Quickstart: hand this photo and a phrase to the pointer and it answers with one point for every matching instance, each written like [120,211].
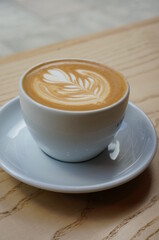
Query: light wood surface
[128,212]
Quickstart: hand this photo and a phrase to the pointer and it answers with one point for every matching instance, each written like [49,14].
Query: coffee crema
[74,85]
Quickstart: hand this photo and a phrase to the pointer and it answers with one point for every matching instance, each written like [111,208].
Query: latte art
[74,85]
[78,87]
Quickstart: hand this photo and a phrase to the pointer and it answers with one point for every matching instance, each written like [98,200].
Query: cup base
[72,161]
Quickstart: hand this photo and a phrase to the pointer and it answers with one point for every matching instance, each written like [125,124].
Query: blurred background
[28,24]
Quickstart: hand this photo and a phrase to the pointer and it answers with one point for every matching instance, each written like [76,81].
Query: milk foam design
[77,87]
[74,85]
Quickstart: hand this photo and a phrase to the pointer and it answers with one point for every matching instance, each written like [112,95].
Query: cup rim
[83,112]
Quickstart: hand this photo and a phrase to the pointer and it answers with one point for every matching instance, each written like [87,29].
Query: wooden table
[127,212]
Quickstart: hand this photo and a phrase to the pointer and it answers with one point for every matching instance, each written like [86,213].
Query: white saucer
[130,153]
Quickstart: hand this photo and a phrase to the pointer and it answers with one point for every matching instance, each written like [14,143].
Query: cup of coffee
[73,108]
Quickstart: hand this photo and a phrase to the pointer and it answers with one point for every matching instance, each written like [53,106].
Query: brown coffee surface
[75,85]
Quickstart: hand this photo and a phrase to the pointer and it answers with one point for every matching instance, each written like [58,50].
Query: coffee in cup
[74,85]
[73,108]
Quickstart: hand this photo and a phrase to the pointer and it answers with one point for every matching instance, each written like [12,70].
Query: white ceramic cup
[71,136]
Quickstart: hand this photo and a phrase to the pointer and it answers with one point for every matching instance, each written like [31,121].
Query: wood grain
[131,210]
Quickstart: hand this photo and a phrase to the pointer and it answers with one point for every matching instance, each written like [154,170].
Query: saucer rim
[84,189]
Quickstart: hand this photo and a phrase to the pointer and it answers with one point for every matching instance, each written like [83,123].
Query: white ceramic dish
[131,152]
